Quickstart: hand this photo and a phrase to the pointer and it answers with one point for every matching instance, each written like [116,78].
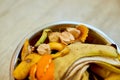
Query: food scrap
[65,55]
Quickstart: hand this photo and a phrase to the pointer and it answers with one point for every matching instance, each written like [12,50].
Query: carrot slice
[84,32]
[45,68]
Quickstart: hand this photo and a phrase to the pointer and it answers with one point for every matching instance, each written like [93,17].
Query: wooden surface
[19,17]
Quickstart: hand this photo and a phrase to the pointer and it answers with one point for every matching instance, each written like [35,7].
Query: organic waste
[65,55]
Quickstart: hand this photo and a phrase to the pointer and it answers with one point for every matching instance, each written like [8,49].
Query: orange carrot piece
[84,32]
[45,68]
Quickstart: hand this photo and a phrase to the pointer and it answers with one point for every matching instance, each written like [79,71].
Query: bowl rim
[29,35]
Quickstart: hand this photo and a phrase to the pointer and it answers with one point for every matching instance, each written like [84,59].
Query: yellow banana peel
[113,76]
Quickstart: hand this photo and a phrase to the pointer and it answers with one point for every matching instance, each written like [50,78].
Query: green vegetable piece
[43,37]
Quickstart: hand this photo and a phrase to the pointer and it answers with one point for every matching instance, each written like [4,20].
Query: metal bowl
[95,36]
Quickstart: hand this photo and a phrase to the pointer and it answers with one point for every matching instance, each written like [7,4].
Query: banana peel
[81,74]
[106,74]
[107,63]
[109,67]
[101,66]
[85,76]
[63,52]
[84,50]
[101,71]
[102,62]
[25,51]
[56,46]
[22,70]
[69,68]
[113,76]
[91,52]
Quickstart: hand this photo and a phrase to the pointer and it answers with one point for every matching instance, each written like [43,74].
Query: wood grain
[19,17]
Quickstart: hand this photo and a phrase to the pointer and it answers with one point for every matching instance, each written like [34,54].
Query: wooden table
[19,17]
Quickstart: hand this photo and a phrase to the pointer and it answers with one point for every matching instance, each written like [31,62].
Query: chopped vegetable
[43,37]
